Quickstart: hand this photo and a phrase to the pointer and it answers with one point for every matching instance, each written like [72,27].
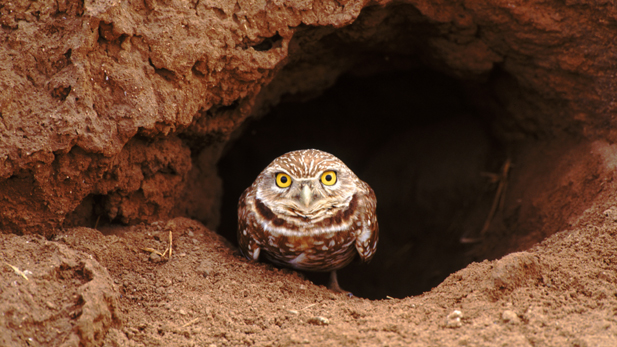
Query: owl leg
[333,286]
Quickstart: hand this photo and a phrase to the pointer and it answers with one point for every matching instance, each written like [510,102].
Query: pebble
[516,270]
[509,316]
[204,269]
[535,316]
[155,257]
[453,320]
[611,213]
[319,320]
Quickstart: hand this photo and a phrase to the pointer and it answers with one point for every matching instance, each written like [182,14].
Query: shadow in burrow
[418,140]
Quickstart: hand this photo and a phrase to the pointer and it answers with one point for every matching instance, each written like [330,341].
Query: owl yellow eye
[328,178]
[283,180]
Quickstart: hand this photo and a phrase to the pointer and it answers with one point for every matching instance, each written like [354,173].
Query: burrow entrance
[433,158]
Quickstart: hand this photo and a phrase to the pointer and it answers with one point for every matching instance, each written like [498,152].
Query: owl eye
[283,180]
[328,178]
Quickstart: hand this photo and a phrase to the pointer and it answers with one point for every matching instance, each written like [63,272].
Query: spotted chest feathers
[318,219]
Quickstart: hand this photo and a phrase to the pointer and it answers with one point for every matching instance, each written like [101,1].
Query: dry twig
[190,323]
[500,194]
[167,251]
[17,271]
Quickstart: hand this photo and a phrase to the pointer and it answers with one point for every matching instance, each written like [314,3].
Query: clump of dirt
[54,295]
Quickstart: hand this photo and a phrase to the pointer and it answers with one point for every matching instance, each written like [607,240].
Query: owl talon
[334,286]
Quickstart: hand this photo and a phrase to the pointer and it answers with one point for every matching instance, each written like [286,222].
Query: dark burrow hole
[419,142]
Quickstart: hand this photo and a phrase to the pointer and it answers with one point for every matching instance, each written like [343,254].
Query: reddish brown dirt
[87,287]
[117,112]
[53,294]
[559,293]
[92,90]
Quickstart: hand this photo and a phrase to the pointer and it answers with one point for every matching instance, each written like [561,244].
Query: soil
[115,115]
[560,292]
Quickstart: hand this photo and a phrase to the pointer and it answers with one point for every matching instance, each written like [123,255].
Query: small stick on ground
[168,250]
[190,323]
[152,250]
[170,244]
[17,271]
[499,199]
[311,305]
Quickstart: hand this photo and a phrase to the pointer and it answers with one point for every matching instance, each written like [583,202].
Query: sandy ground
[86,287]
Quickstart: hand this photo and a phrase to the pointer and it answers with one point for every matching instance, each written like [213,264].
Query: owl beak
[306,196]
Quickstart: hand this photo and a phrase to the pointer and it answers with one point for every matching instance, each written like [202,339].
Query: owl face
[306,184]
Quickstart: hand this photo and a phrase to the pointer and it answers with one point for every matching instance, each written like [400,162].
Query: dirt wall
[85,84]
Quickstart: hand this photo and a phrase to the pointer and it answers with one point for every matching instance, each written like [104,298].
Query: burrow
[451,190]
[466,165]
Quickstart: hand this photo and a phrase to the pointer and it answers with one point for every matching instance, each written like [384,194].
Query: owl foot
[333,286]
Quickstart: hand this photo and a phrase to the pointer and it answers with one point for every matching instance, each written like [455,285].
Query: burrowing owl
[308,211]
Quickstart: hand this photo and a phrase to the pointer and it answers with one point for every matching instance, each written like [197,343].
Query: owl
[307,210]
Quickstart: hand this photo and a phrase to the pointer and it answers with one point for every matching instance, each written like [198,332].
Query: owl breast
[323,239]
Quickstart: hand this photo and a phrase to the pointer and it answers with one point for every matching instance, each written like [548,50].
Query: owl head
[306,183]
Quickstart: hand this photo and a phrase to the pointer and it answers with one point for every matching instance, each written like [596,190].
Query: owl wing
[368,235]
[247,225]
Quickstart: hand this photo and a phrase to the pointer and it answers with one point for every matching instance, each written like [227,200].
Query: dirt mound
[562,292]
[53,295]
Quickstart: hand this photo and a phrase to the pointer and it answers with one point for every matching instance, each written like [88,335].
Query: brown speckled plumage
[308,225]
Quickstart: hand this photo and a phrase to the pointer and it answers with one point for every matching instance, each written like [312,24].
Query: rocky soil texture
[486,129]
